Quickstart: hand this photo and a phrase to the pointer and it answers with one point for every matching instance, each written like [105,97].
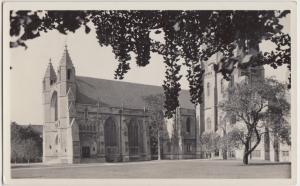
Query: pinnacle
[66,59]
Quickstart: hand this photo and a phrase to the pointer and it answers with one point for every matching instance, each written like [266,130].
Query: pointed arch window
[53,107]
[85,114]
[44,85]
[56,140]
[188,125]
[58,73]
[51,81]
[69,73]
[133,137]
[110,133]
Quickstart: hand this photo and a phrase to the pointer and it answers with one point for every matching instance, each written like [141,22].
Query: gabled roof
[115,93]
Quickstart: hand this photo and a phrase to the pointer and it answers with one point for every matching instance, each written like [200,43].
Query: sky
[89,59]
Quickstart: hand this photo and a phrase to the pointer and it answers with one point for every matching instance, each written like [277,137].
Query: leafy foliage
[26,144]
[210,142]
[257,105]
[190,35]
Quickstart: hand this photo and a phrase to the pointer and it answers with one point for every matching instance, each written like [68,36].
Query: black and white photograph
[165,91]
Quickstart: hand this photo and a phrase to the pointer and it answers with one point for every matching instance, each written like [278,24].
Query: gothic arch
[110,138]
[54,107]
[188,125]
[133,137]
[56,139]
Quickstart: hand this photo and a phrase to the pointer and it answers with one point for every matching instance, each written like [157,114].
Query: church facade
[97,120]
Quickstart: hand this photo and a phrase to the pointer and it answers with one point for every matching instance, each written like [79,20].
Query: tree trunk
[248,148]
[276,148]
[246,154]
[158,146]
[224,154]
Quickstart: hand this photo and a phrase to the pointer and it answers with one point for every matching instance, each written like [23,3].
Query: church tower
[49,81]
[61,135]
[66,74]
[50,103]
[67,88]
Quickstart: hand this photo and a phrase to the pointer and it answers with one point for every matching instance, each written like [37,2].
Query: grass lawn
[158,169]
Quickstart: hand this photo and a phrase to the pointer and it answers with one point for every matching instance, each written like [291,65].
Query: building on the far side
[212,119]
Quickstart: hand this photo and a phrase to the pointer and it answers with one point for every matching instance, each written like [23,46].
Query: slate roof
[114,93]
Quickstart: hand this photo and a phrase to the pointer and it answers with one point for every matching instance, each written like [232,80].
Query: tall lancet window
[53,107]
[110,133]
[69,72]
[85,114]
[188,125]
[44,85]
[58,73]
[133,137]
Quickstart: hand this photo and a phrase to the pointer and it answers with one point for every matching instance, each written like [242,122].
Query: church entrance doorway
[110,138]
[86,152]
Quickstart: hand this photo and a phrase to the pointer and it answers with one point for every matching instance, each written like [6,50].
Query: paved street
[158,169]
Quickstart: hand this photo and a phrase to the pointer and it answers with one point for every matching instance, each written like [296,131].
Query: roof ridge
[160,86]
[115,93]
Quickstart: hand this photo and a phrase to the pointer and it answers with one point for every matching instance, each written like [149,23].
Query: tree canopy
[260,107]
[190,35]
[26,144]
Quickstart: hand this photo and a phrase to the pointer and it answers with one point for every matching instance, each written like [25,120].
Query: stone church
[97,120]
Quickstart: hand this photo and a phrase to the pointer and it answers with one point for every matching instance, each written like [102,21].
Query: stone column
[101,143]
[126,144]
[146,139]
[124,139]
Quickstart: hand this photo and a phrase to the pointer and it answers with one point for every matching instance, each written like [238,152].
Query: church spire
[50,72]
[66,59]
[49,77]
[66,73]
